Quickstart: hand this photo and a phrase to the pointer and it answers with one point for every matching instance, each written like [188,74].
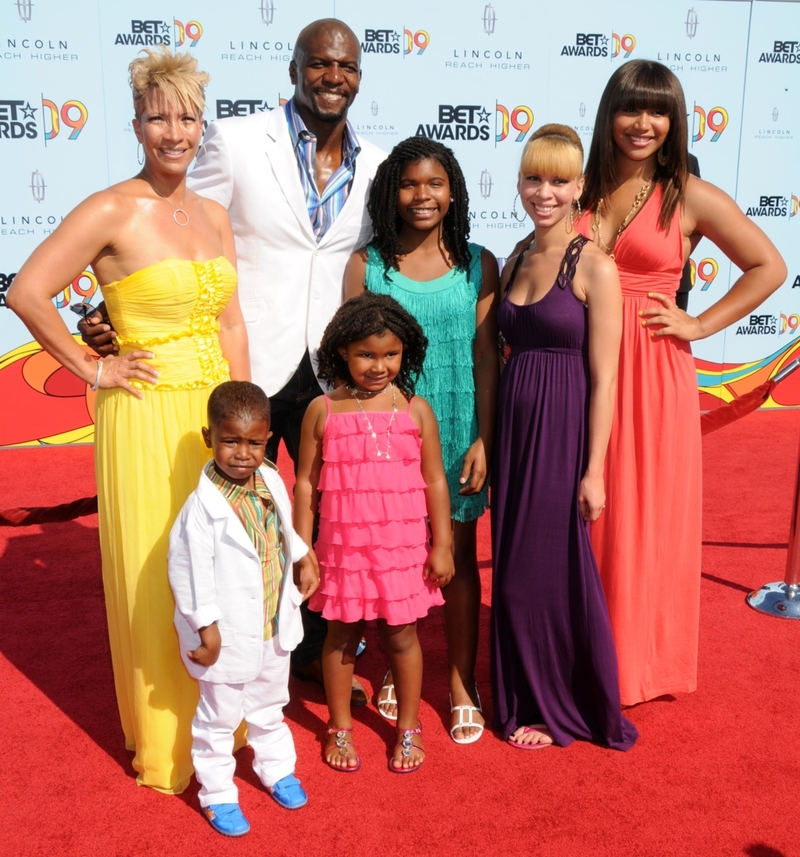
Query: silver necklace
[177,211]
[370,428]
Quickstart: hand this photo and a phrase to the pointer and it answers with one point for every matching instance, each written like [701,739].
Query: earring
[514,211]
[568,221]
[140,154]
[662,157]
[578,204]
[197,159]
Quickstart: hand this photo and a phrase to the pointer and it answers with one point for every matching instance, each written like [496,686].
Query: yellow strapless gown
[148,457]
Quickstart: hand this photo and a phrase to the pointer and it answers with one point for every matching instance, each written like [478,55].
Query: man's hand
[97,333]
[207,653]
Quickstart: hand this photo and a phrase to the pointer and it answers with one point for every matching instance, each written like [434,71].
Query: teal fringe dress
[445,309]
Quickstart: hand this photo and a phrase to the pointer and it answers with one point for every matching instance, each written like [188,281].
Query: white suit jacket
[216,576]
[289,285]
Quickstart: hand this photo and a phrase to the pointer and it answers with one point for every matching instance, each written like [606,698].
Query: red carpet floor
[714,773]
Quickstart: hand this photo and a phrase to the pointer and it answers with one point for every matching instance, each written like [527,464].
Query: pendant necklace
[370,428]
[183,220]
[637,204]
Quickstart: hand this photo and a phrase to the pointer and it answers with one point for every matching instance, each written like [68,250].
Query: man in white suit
[295,182]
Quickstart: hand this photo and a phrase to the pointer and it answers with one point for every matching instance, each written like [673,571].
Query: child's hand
[306,575]
[474,469]
[207,653]
[439,568]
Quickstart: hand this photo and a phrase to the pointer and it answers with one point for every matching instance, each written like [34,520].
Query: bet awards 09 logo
[155,32]
[458,122]
[783,53]
[774,206]
[18,119]
[381,42]
[600,45]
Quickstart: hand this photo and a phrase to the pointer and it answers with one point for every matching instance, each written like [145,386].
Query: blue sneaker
[288,793]
[227,819]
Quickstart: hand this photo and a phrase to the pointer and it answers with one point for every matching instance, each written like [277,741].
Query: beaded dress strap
[570,261]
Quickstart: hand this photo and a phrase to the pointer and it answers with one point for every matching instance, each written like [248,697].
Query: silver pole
[783,598]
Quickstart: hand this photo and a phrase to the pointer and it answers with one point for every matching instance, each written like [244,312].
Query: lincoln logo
[485,184]
[489,19]
[775,114]
[374,108]
[691,23]
[24,10]
[267,11]
[582,109]
[37,186]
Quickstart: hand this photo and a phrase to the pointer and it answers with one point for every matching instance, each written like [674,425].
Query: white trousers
[222,708]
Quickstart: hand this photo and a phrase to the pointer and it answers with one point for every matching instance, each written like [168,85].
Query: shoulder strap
[519,262]
[570,261]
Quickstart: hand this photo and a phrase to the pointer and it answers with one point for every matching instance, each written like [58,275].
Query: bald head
[331,30]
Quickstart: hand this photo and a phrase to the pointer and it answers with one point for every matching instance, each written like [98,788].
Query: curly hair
[382,203]
[236,400]
[370,314]
[176,75]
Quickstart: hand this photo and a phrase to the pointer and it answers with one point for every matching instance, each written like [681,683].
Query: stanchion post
[783,599]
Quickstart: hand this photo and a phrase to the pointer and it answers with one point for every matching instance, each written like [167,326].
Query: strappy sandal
[539,745]
[342,744]
[390,699]
[465,718]
[406,741]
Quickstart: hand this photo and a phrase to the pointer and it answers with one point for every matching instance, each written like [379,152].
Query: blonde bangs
[553,150]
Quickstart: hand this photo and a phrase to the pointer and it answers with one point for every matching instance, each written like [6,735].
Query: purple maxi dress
[553,656]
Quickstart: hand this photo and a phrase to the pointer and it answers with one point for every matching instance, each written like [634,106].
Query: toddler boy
[237,611]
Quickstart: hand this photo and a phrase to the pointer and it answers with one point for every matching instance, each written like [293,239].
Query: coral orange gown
[648,540]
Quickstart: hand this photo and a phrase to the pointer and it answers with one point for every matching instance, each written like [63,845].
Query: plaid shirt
[322,209]
[259,516]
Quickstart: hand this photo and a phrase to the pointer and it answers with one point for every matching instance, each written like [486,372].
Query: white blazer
[289,285]
[216,576]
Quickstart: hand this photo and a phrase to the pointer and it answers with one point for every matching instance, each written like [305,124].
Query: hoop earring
[662,157]
[140,153]
[568,226]
[198,162]
[514,210]
[578,205]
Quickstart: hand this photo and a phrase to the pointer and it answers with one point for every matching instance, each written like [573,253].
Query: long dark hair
[382,203]
[640,85]
[371,314]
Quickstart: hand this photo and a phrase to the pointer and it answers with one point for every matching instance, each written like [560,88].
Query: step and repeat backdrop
[478,76]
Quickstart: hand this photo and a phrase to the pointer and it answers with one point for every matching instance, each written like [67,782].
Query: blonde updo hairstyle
[176,75]
[553,150]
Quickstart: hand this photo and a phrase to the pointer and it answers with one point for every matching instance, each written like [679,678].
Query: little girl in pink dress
[371,465]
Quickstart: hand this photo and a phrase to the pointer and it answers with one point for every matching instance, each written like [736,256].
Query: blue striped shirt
[322,209]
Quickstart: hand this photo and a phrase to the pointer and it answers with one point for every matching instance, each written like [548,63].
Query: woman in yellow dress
[165,261]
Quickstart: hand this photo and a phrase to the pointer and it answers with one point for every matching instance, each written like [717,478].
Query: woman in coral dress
[164,258]
[646,211]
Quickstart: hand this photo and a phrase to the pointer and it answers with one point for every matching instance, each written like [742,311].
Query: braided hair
[365,315]
[382,203]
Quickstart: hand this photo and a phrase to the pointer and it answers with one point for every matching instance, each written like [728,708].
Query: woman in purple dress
[553,659]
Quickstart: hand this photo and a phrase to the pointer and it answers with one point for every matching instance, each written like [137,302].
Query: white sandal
[390,699]
[465,718]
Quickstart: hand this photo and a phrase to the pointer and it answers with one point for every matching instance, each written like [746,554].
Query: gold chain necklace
[637,204]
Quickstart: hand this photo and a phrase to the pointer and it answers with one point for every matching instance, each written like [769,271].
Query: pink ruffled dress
[373,530]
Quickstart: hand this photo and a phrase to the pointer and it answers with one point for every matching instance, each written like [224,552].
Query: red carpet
[714,773]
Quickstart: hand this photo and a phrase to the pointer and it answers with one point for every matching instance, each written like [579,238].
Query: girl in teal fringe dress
[420,256]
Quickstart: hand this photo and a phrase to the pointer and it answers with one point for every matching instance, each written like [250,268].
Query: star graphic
[395,36]
[164,28]
[603,40]
[483,115]
[28,111]
[264,107]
